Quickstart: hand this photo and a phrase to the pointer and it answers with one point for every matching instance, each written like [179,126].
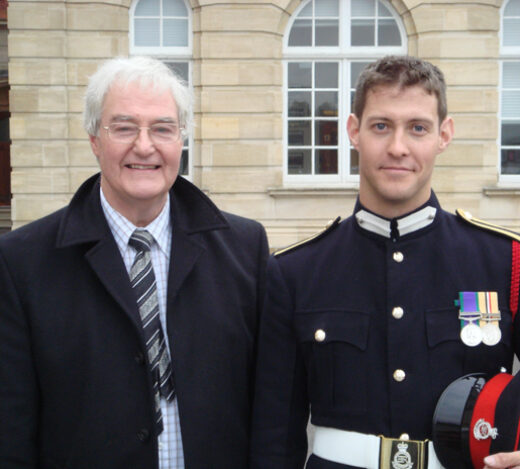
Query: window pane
[301,33]
[512,32]
[511,104]
[326,133]
[388,33]
[510,161]
[300,133]
[354,161]
[306,12]
[327,103]
[355,70]
[363,8]
[326,8]
[175,33]
[147,8]
[299,162]
[511,134]
[383,11]
[327,32]
[512,8]
[327,75]
[184,169]
[300,75]
[362,33]
[174,8]
[146,32]
[511,75]
[326,162]
[181,69]
[300,103]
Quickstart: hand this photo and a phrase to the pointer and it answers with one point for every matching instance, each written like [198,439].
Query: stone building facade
[262,147]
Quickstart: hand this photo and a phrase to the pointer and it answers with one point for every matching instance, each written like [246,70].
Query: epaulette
[328,228]
[466,216]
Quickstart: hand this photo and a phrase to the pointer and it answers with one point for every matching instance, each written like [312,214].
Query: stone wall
[238,83]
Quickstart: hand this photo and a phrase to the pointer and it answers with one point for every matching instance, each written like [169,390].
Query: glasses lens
[123,132]
[164,132]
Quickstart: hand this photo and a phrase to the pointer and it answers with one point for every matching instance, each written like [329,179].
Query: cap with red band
[475,417]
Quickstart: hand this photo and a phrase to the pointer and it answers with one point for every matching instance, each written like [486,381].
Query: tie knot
[141,240]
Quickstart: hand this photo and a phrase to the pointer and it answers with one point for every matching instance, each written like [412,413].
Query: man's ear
[446,132]
[94,144]
[353,130]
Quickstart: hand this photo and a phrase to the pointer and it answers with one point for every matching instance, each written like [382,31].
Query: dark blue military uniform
[361,325]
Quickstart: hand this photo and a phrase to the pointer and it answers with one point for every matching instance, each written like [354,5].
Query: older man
[128,319]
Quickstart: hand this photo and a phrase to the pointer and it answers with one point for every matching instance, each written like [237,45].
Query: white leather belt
[371,451]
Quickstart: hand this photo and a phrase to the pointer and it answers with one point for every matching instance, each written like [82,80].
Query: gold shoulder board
[466,216]
[329,227]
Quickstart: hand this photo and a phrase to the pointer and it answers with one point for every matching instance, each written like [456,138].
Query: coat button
[397,312]
[404,437]
[320,335]
[398,256]
[399,375]
[143,435]
[139,358]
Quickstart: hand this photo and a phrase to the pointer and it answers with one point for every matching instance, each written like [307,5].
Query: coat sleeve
[281,409]
[18,384]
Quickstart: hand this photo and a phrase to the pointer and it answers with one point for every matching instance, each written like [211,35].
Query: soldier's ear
[353,124]
[446,132]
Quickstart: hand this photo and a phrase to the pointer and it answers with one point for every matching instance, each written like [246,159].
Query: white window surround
[344,55]
[169,55]
[509,54]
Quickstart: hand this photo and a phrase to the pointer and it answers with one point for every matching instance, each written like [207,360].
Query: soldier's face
[398,138]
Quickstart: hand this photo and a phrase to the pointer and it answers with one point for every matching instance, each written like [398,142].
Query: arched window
[327,44]
[162,28]
[510,92]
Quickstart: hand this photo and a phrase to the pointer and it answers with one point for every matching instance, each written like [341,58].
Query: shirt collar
[122,228]
[397,227]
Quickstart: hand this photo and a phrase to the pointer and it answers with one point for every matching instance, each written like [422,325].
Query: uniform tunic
[360,325]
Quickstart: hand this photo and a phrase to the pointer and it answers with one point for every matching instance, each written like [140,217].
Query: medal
[479,316]
[471,335]
[491,334]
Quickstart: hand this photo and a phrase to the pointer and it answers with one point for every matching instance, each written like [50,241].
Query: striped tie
[142,280]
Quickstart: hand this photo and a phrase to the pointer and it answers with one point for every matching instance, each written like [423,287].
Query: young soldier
[360,323]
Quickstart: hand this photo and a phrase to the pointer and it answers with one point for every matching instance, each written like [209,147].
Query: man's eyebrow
[126,118]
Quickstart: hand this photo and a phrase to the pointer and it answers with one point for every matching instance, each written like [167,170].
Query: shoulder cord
[515,278]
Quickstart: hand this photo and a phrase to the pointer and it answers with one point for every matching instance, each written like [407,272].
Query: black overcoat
[75,390]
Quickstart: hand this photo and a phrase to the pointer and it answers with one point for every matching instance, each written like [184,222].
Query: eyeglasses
[124,132]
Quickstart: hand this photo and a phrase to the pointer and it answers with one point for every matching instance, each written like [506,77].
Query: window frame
[344,55]
[170,55]
[507,54]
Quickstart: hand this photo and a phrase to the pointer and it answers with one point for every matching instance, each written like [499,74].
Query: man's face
[136,177]
[398,138]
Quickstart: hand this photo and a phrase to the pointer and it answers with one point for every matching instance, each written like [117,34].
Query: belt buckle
[402,453]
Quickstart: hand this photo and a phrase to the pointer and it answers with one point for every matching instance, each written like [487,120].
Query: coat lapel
[84,224]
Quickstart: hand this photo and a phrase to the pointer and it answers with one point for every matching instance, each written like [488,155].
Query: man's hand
[503,461]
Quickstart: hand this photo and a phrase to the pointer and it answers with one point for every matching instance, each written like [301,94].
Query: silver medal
[471,335]
[491,334]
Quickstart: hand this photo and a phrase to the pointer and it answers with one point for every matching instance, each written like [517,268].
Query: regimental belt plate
[402,454]
[479,317]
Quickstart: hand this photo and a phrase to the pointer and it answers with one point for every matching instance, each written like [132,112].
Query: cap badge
[402,459]
[483,430]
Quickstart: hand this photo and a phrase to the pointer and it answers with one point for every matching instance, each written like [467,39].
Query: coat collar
[395,228]
[84,222]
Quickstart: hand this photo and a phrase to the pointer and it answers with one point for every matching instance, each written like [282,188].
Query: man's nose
[398,145]
[143,143]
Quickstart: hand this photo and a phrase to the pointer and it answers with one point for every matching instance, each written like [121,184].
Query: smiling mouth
[142,166]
